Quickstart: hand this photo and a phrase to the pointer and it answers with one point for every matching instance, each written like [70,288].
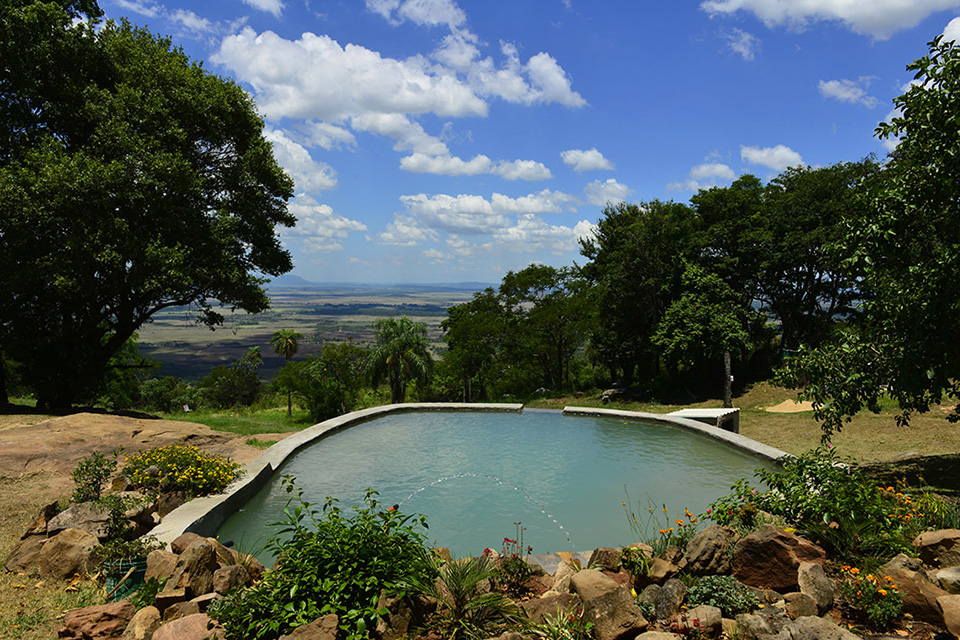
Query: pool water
[474,475]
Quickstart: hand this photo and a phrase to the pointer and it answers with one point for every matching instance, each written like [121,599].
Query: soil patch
[790,406]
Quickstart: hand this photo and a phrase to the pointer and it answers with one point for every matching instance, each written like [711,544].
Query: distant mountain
[290,281]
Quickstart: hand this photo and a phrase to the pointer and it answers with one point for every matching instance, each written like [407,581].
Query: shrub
[328,562]
[725,593]
[180,468]
[565,625]
[676,532]
[91,473]
[514,570]
[877,601]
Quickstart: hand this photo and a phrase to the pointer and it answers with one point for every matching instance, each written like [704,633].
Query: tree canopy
[401,354]
[131,180]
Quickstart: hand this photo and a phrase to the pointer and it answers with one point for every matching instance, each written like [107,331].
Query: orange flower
[882,592]
[854,570]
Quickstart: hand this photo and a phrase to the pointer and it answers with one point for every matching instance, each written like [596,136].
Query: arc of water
[500,481]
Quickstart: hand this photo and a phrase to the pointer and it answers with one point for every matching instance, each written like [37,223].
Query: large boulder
[562,577]
[42,521]
[771,557]
[66,554]
[24,553]
[184,540]
[87,516]
[100,621]
[143,624]
[939,548]
[195,568]
[193,627]
[950,609]
[669,598]
[402,614]
[814,628]
[815,583]
[799,605]
[537,608]
[230,577]
[762,624]
[605,558]
[708,552]
[949,579]
[324,628]
[615,616]
[589,584]
[160,564]
[919,595]
[707,618]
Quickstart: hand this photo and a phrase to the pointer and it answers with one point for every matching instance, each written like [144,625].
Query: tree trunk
[727,381]
[289,403]
[4,398]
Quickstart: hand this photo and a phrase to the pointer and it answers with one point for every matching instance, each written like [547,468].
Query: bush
[877,601]
[168,394]
[328,562]
[725,593]
[90,474]
[179,468]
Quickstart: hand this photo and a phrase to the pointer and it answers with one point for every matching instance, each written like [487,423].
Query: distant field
[322,313]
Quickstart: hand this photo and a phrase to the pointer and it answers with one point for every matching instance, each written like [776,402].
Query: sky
[452,141]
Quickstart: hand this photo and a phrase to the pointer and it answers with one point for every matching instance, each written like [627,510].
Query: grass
[247,422]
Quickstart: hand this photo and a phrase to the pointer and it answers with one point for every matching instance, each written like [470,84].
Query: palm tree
[401,354]
[286,342]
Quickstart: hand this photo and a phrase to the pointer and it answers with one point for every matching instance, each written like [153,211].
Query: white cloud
[409,135]
[423,12]
[777,158]
[405,231]
[550,82]
[269,6]
[522,170]
[740,42]
[473,214]
[192,21]
[329,136]
[307,173]
[446,165]
[952,30]
[704,176]
[143,7]
[318,225]
[852,91]
[600,193]
[435,255]
[589,160]
[877,18]
[531,233]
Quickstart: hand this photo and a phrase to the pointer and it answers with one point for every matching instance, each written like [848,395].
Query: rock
[195,567]
[561,578]
[253,566]
[673,555]
[901,561]
[766,622]
[669,599]
[815,583]
[204,601]
[589,584]
[605,558]
[42,521]
[660,571]
[614,614]
[656,635]
[402,615]
[169,501]
[650,594]
[143,624]
[24,553]
[121,483]
[919,595]
[225,555]
[770,557]
[194,627]
[939,548]
[729,627]
[949,579]
[537,608]
[444,554]
[226,578]
[814,628]
[324,628]
[100,621]
[180,610]
[160,564]
[184,540]
[950,609]
[169,597]
[708,617]
[87,516]
[708,552]
[799,605]
[66,554]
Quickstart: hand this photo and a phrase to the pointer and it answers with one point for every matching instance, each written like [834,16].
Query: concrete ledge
[734,439]
[204,516]
[726,419]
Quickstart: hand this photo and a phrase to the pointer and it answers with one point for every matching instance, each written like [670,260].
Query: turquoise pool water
[476,474]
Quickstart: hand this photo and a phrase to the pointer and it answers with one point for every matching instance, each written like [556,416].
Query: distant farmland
[321,312]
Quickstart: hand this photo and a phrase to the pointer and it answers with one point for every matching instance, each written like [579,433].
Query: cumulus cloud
[531,233]
[269,6]
[586,160]
[952,30]
[407,134]
[600,193]
[522,170]
[307,173]
[745,44]
[318,226]
[777,158]
[143,7]
[404,231]
[446,165]
[474,214]
[326,135]
[191,21]
[877,18]
[429,13]
[852,91]
[704,176]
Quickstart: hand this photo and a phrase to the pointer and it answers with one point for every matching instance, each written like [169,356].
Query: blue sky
[453,140]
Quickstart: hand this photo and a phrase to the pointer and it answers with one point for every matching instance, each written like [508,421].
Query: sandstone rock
[814,628]
[444,554]
[673,555]
[42,521]
[901,561]
[24,553]
[195,567]
[815,583]
[562,576]
[949,579]
[121,483]
[799,605]
[225,555]
[670,598]
[143,624]
[226,578]
[169,501]
[656,635]
[660,571]
[324,628]
[614,614]
[589,584]
[754,626]
[169,597]
[537,608]
[160,564]
[919,595]
[650,594]
[939,548]
[180,610]
[729,627]
[950,609]
[708,552]
[770,557]
[402,614]
[87,516]
[100,621]
[708,617]
[66,554]
[204,601]
[183,541]
[253,566]
[605,558]
[192,627]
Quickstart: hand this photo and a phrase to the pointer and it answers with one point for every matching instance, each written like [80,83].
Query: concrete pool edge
[734,439]
[204,516]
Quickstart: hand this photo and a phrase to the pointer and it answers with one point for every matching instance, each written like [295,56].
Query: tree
[401,354]
[904,252]
[236,385]
[131,181]
[286,343]
[475,332]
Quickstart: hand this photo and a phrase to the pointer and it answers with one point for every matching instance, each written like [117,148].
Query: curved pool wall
[204,516]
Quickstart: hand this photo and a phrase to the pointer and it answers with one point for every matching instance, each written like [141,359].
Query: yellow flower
[882,592]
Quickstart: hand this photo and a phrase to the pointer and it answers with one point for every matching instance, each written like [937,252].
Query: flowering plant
[515,571]
[181,468]
[565,625]
[875,600]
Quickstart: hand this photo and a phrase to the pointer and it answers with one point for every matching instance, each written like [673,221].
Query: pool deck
[205,515]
